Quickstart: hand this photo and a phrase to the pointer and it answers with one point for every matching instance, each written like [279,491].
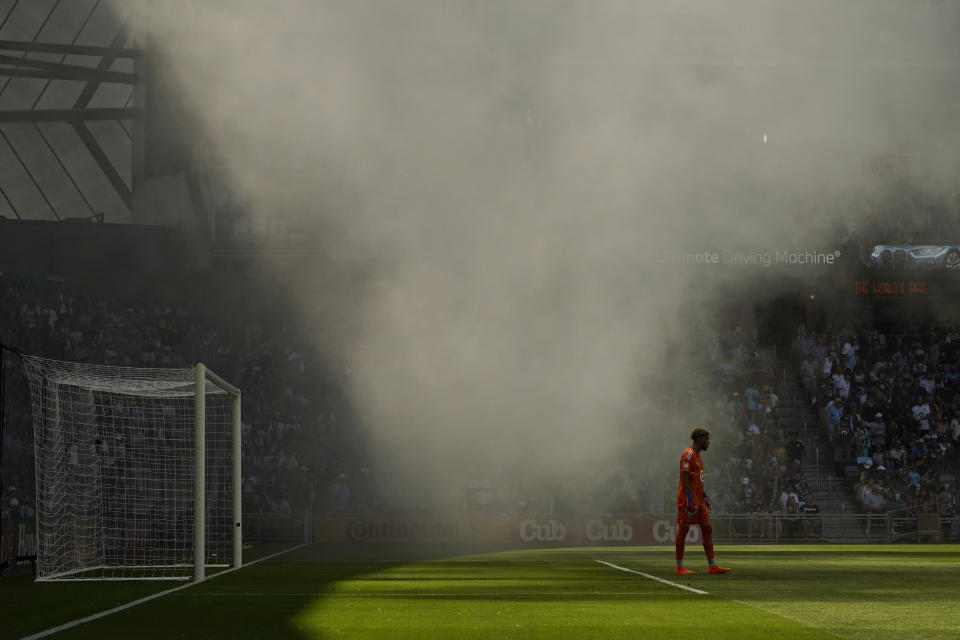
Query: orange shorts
[701,516]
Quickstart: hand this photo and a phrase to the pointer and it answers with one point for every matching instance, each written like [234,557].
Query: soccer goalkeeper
[693,503]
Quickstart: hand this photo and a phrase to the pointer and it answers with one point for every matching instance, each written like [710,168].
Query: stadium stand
[891,408]
[887,404]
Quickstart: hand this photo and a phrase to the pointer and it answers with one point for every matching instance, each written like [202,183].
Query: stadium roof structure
[70,92]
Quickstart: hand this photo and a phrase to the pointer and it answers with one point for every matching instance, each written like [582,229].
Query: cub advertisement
[626,530]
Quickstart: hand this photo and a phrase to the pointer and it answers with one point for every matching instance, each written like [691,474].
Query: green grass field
[807,591]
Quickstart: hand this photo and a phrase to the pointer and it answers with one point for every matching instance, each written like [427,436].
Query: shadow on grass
[260,601]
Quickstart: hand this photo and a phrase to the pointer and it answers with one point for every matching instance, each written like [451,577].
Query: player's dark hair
[699,432]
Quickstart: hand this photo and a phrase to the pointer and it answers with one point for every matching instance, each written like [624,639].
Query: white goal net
[119,494]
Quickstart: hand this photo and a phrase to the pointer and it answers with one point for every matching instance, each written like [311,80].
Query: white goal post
[138,471]
[203,374]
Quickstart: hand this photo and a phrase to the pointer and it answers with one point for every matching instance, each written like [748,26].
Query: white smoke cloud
[509,171]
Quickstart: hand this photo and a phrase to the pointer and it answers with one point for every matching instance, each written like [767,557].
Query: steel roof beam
[80,73]
[69,115]
[71,49]
[104,163]
[105,63]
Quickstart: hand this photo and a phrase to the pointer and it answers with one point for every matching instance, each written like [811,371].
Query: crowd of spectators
[297,451]
[891,404]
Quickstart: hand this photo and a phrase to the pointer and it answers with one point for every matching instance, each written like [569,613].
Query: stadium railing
[893,526]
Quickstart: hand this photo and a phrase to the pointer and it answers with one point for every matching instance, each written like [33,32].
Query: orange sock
[706,530]
[681,541]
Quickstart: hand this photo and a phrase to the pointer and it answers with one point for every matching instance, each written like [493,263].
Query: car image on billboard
[915,256]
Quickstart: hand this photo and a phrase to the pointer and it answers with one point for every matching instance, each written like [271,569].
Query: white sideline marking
[154,596]
[647,575]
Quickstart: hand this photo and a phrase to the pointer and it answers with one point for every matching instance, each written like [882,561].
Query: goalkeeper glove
[691,506]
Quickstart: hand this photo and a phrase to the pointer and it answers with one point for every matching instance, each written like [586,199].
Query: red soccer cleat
[716,569]
[683,571]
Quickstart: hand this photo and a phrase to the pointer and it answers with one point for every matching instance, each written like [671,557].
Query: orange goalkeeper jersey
[690,461]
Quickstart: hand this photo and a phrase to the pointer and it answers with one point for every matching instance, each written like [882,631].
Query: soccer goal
[138,471]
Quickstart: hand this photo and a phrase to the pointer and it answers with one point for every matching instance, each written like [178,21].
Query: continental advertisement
[374,529]
[501,529]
